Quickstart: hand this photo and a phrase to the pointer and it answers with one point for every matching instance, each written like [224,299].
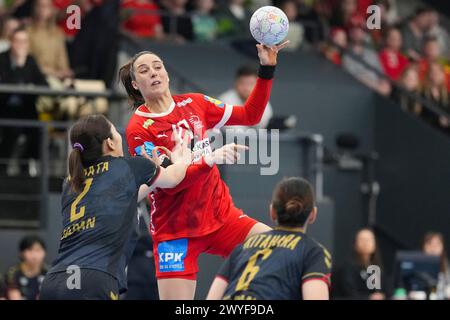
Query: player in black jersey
[282,264]
[99,210]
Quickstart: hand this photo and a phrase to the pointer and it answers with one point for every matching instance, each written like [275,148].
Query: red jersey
[199,205]
[393,63]
[142,18]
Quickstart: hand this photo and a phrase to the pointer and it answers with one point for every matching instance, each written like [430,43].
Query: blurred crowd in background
[41,44]
[349,281]
[412,47]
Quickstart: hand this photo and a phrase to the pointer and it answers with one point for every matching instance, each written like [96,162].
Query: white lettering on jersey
[184,102]
[170,256]
[196,122]
[201,148]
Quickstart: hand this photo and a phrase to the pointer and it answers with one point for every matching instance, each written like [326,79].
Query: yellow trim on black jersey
[292,229]
[314,274]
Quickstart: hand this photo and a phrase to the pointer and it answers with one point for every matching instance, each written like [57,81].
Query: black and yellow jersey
[100,223]
[274,265]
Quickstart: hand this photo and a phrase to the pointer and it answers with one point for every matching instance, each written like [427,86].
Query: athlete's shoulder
[313,243]
[138,124]
[314,247]
[136,120]
[200,98]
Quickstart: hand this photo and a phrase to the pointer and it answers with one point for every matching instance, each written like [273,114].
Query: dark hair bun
[294,206]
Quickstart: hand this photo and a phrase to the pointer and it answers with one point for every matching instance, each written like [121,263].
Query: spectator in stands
[390,15]
[245,80]
[414,33]
[47,41]
[140,19]
[233,20]
[431,54]
[93,51]
[362,6]
[315,19]
[392,60]
[203,21]
[377,35]
[435,90]
[352,61]
[21,9]
[296,30]
[350,281]
[407,95]
[347,15]
[17,66]
[338,42]
[439,33]
[61,14]
[8,25]
[176,22]
[23,280]
[433,244]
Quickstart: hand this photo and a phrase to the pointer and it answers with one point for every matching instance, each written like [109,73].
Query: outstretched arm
[252,111]
[171,176]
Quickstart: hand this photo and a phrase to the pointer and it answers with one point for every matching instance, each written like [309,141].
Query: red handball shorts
[178,258]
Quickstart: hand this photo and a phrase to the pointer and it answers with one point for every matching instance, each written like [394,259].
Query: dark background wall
[414,174]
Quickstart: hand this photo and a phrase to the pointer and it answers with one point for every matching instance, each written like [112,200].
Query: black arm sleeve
[266,72]
[225,270]
[317,264]
[144,170]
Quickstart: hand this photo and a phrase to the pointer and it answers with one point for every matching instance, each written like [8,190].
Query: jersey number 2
[251,269]
[74,214]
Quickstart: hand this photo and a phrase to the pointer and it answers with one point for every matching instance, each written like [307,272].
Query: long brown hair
[444,259]
[86,137]
[293,201]
[427,86]
[127,76]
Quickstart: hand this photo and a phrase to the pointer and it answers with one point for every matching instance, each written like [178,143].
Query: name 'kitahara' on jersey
[99,224]
[200,203]
[274,265]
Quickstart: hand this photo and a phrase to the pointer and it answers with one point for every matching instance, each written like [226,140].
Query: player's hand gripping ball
[269,25]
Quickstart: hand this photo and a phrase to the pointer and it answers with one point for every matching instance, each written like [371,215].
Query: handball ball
[269,25]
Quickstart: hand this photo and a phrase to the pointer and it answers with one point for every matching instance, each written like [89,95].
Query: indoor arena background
[347,139]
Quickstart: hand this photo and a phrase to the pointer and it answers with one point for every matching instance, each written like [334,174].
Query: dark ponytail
[126,76]
[293,201]
[86,137]
[76,170]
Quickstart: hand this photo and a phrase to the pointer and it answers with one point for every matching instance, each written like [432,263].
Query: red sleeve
[252,111]
[218,114]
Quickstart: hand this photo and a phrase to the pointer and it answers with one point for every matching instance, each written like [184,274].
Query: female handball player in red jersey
[198,215]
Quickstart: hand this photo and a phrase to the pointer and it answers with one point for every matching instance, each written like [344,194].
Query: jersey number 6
[251,269]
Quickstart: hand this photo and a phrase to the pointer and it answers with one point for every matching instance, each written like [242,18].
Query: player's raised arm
[252,111]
